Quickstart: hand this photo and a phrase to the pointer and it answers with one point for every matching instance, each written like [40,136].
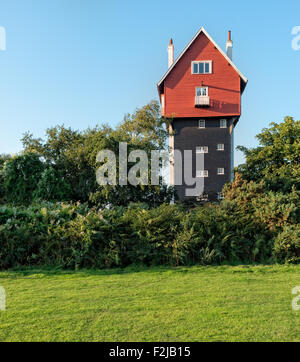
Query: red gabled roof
[244,80]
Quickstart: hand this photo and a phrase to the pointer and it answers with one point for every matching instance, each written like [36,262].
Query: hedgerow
[76,236]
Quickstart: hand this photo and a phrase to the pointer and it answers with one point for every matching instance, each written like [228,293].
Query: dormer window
[202,67]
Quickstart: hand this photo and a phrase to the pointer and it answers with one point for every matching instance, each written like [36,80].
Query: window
[202,173]
[202,67]
[203,197]
[202,91]
[220,147]
[202,98]
[220,196]
[220,171]
[162,101]
[202,149]
[201,123]
[223,123]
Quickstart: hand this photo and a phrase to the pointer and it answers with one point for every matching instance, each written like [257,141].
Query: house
[200,94]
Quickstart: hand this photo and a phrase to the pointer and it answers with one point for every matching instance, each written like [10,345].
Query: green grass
[240,303]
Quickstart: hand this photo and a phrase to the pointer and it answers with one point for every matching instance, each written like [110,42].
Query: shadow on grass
[50,271]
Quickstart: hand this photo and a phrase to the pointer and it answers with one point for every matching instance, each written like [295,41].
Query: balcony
[202,101]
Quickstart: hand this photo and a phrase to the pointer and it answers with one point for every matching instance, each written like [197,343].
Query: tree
[72,155]
[145,128]
[3,159]
[21,176]
[52,186]
[276,160]
[266,187]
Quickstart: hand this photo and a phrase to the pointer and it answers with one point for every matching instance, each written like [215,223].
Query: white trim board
[202,30]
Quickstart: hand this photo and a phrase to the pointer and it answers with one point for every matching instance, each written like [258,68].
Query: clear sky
[81,63]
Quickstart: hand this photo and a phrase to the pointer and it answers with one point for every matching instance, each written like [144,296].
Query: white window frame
[222,147]
[225,121]
[199,122]
[220,196]
[203,197]
[201,61]
[222,172]
[202,149]
[202,87]
[201,173]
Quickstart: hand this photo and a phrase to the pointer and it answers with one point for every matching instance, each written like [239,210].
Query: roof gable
[202,30]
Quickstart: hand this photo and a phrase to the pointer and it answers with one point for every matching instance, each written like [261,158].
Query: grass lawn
[241,303]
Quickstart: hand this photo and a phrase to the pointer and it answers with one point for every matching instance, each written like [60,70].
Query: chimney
[229,46]
[170,53]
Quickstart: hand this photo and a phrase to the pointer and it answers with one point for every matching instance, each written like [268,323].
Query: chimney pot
[229,46]
[170,53]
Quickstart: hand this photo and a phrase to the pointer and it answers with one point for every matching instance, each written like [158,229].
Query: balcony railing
[202,101]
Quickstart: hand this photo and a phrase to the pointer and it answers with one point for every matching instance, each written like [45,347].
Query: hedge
[75,236]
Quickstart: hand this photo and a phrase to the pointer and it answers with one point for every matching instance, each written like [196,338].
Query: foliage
[145,128]
[275,212]
[21,176]
[76,236]
[71,155]
[116,226]
[287,245]
[52,186]
[124,195]
[274,209]
[3,159]
[276,161]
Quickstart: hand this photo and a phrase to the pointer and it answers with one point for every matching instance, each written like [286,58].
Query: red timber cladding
[223,84]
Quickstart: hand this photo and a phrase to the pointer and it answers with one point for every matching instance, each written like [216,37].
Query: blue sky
[81,63]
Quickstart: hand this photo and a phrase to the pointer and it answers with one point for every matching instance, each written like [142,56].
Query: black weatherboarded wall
[188,136]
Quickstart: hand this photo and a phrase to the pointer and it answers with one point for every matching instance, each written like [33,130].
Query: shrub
[287,245]
[52,186]
[152,234]
[76,236]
